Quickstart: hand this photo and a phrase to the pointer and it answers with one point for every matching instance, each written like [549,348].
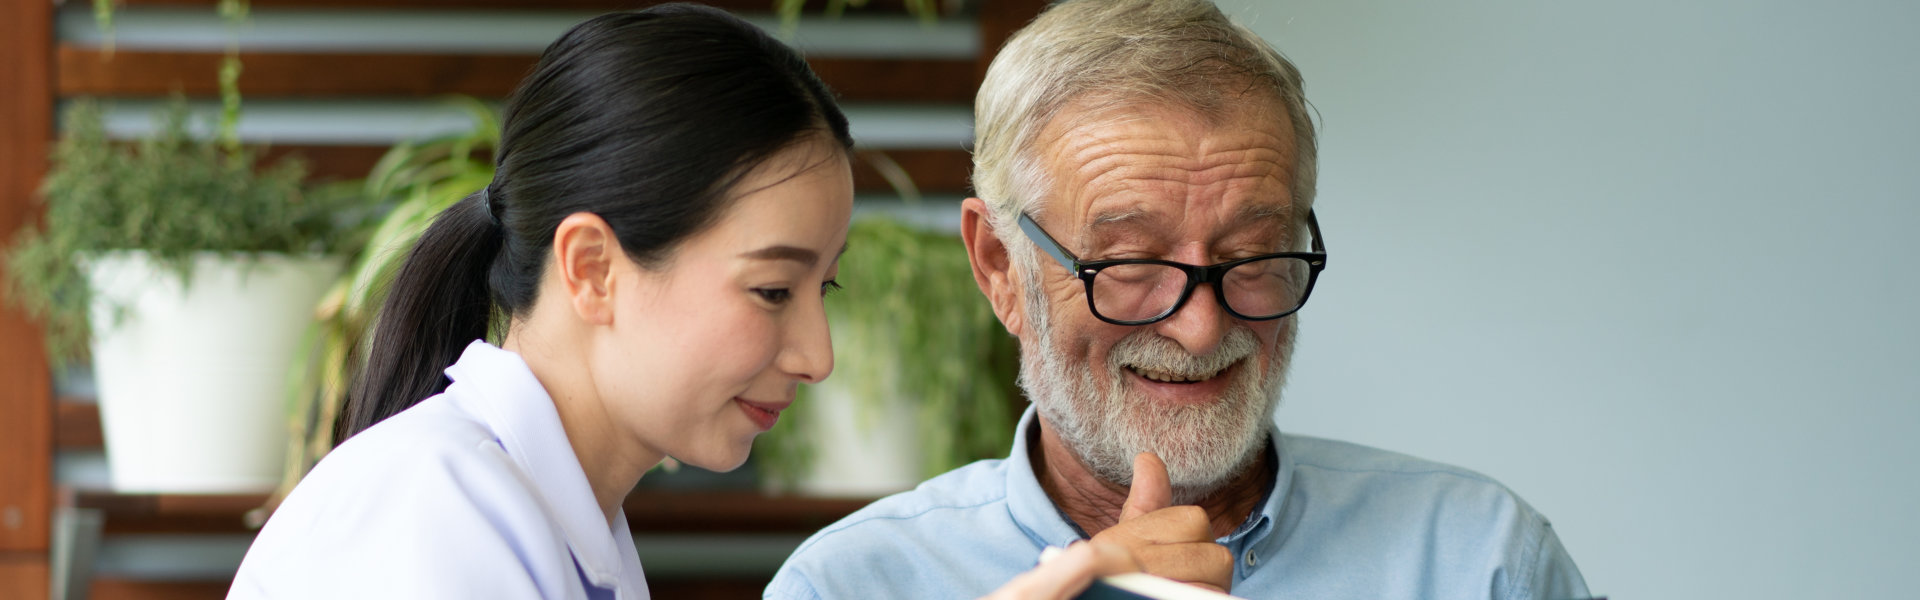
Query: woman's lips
[762,414]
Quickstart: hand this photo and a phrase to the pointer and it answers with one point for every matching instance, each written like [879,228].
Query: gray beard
[1204,446]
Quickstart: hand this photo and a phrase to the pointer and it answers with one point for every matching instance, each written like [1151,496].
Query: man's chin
[1199,459]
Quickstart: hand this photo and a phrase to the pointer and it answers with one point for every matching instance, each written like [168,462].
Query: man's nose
[1199,326]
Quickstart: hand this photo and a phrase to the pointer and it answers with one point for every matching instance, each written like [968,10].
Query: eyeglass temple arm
[1051,246]
[1313,227]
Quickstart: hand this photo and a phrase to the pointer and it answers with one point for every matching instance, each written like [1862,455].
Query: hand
[1175,542]
[1066,574]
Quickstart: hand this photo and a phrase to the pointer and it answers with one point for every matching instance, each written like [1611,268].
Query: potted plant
[924,372]
[186,273]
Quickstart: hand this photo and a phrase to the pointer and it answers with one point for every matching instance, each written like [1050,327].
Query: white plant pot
[864,448]
[193,380]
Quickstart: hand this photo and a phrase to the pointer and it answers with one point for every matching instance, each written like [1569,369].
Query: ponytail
[439,303]
[646,119]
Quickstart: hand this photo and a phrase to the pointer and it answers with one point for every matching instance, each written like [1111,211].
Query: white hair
[1181,53]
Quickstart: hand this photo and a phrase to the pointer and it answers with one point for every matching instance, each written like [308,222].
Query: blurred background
[1649,264]
[1653,265]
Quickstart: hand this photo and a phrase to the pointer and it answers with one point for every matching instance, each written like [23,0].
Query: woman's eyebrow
[792,253]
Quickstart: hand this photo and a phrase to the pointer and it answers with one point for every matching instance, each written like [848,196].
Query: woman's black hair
[645,118]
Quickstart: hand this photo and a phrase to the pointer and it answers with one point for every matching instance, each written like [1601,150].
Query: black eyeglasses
[1140,291]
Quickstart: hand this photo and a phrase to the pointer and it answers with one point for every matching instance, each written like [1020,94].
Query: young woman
[672,195]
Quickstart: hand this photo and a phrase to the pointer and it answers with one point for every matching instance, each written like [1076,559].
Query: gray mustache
[1148,350]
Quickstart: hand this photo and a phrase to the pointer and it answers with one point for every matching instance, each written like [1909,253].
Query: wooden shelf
[91,71]
[933,171]
[739,6]
[76,424]
[734,512]
[648,511]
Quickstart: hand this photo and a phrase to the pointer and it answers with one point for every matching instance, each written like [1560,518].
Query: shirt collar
[497,386]
[1036,513]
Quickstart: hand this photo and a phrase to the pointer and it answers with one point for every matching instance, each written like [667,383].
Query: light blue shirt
[473,493]
[1342,521]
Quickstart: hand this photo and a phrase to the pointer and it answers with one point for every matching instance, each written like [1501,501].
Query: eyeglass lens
[1257,289]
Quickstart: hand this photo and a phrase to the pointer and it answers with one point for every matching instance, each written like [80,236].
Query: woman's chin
[719,462]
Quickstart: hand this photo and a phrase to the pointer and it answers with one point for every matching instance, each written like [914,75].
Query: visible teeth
[1166,377]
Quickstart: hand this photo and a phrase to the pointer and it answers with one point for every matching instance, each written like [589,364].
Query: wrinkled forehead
[1160,167]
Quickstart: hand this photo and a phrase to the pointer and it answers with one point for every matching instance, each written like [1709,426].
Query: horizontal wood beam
[933,172]
[89,71]
[648,511]
[136,589]
[739,6]
[76,424]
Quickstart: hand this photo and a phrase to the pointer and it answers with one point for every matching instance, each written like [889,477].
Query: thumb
[1151,489]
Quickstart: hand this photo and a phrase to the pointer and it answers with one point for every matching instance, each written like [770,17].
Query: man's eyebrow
[1117,217]
[1261,212]
[793,253]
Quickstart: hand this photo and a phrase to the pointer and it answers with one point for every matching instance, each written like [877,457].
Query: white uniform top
[473,493]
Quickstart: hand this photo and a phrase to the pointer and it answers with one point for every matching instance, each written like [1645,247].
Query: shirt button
[1250,559]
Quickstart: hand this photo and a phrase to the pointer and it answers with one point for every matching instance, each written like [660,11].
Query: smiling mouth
[762,414]
[1161,376]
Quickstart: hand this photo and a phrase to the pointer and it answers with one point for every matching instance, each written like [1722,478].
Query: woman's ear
[585,252]
[992,268]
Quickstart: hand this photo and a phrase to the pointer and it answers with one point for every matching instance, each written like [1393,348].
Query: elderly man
[1145,227]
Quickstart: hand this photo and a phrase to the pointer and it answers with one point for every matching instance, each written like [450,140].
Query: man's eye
[828,287]
[774,295]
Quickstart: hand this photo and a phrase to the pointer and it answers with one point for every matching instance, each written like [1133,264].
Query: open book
[1131,586]
[1134,586]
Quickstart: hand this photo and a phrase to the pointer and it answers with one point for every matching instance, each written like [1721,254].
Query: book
[1137,586]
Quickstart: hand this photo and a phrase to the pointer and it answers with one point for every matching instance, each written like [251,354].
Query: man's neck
[1094,504]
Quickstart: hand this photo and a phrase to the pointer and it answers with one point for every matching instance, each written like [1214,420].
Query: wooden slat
[943,172]
[169,513]
[133,589]
[649,511]
[902,80]
[999,20]
[329,163]
[26,407]
[23,575]
[88,71]
[934,172]
[739,6]
[733,512]
[76,424]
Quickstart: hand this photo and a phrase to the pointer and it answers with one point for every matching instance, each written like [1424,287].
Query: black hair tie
[493,208]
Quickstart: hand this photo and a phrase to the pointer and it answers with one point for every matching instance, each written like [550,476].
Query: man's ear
[992,266]
[584,251]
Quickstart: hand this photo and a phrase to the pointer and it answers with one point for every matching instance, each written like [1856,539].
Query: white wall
[1651,264]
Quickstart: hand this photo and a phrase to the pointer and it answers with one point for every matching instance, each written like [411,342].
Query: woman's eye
[774,295]
[828,287]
